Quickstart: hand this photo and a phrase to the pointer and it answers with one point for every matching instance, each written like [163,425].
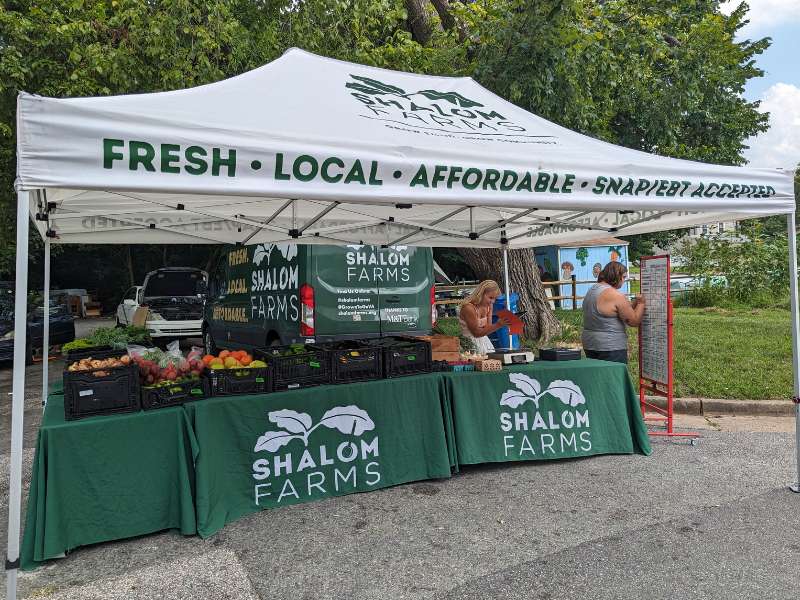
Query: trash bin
[501,338]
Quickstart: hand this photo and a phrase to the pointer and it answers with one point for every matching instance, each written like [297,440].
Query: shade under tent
[313,150]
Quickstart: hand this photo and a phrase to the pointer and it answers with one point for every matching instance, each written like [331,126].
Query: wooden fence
[461,291]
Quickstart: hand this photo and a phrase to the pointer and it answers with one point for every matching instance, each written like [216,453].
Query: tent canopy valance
[322,151]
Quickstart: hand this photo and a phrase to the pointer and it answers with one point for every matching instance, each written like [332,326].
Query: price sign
[655,332]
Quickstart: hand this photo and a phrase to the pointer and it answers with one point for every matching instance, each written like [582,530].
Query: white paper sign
[654,349]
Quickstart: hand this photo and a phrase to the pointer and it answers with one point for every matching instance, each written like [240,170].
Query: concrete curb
[710,407]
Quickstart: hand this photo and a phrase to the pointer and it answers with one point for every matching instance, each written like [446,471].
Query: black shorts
[620,356]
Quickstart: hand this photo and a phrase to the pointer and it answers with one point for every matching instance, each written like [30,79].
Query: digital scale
[512,357]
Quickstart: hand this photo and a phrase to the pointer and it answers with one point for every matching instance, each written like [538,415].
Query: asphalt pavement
[714,520]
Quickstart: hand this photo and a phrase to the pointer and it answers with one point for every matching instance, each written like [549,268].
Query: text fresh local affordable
[198,160]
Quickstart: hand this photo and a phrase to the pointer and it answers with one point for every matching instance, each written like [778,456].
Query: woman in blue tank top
[606,312]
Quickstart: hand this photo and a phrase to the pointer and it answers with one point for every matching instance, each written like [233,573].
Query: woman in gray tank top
[606,312]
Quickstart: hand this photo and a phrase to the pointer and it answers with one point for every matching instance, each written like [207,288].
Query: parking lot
[698,521]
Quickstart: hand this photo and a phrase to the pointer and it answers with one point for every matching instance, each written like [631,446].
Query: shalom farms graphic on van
[303,459]
[274,283]
[538,427]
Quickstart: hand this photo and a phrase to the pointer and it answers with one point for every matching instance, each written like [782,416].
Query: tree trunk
[487,263]
[418,22]
[445,16]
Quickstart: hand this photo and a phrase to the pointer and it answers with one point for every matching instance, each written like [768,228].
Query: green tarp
[544,411]
[200,466]
[279,449]
[108,478]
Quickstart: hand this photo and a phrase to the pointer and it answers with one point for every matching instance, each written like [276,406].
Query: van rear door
[346,298]
[405,278]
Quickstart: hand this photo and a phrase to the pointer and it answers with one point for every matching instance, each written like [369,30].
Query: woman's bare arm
[470,316]
[630,313]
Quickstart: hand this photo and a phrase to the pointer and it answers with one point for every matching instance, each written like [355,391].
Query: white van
[175,298]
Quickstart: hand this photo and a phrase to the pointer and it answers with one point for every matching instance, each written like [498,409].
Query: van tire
[208,342]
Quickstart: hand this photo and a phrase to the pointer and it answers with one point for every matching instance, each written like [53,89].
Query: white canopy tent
[314,150]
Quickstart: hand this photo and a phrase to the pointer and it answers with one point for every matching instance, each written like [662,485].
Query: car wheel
[208,342]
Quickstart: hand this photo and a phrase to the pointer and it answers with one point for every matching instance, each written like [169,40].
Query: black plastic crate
[560,354]
[101,392]
[292,369]
[174,394]
[97,352]
[353,361]
[232,382]
[403,355]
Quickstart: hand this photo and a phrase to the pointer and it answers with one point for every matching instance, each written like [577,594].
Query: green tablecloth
[200,466]
[274,450]
[107,478]
[545,410]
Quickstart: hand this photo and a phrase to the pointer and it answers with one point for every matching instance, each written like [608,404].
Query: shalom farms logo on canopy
[534,430]
[305,469]
[431,110]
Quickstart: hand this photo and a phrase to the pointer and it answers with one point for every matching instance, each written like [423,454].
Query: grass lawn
[718,353]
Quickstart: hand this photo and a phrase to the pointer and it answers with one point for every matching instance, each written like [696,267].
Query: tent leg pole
[505,278]
[46,325]
[18,396]
[795,339]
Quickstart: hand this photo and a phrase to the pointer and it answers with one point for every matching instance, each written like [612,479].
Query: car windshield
[173,283]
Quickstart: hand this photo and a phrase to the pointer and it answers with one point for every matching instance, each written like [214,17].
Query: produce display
[232,359]
[96,366]
[159,368]
[171,377]
[115,337]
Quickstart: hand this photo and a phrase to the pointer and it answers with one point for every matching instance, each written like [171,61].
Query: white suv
[175,298]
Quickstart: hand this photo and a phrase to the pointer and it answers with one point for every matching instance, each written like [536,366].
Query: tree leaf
[384,88]
[291,420]
[451,97]
[272,440]
[566,391]
[348,419]
[515,398]
[529,386]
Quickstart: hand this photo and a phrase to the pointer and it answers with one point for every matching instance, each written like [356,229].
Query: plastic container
[291,369]
[174,394]
[234,382]
[115,391]
[96,352]
[501,339]
[352,361]
[560,354]
[403,355]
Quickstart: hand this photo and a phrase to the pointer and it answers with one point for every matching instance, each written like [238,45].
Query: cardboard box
[442,343]
[448,356]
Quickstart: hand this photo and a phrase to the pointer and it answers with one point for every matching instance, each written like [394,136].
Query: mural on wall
[547,259]
[586,263]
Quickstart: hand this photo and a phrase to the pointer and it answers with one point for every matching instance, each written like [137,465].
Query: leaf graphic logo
[373,87]
[264,251]
[349,420]
[526,388]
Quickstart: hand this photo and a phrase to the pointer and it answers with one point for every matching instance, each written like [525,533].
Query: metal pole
[46,326]
[505,276]
[795,340]
[18,396]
